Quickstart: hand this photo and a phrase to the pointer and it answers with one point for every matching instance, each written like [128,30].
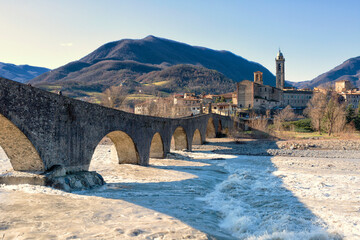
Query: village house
[187,104]
[175,106]
[349,94]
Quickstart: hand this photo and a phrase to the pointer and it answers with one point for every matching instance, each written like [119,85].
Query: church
[257,96]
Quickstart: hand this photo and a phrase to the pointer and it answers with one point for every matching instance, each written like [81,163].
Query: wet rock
[76,181]
[136,232]
[56,178]
[56,171]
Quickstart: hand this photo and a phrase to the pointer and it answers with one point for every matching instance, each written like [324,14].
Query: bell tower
[280,70]
[258,77]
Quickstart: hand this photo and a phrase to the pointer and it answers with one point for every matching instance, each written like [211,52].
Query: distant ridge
[129,61]
[348,70]
[20,73]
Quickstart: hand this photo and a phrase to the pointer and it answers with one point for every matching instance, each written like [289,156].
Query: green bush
[302,125]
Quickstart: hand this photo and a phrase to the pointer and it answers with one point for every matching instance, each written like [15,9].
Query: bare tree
[334,114]
[287,114]
[258,122]
[113,97]
[159,107]
[316,110]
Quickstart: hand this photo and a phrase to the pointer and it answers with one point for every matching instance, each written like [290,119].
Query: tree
[316,110]
[258,122]
[287,114]
[350,114]
[357,120]
[113,97]
[334,114]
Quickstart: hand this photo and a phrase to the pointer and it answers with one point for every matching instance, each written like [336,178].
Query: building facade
[343,86]
[253,95]
[296,98]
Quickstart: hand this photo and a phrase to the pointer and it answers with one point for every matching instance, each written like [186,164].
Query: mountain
[188,78]
[20,73]
[348,70]
[134,62]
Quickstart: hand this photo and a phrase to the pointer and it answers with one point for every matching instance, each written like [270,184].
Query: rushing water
[254,204]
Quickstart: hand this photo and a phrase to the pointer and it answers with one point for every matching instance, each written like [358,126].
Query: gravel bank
[299,148]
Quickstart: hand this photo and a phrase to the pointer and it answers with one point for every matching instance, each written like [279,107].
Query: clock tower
[280,70]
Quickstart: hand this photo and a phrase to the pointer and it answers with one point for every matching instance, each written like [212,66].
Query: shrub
[302,125]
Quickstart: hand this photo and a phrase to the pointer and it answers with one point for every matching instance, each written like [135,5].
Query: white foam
[254,204]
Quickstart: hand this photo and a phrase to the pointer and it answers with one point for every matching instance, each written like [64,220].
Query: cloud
[66,44]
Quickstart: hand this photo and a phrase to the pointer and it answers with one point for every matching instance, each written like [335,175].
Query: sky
[314,35]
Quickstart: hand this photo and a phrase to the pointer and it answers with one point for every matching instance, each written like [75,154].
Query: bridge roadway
[39,129]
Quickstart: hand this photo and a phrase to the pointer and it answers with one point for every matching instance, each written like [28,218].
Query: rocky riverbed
[294,148]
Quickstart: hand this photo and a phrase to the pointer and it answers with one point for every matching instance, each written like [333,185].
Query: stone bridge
[39,129]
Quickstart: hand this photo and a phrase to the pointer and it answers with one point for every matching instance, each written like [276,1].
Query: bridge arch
[179,139]
[210,129]
[126,150]
[197,140]
[157,147]
[19,149]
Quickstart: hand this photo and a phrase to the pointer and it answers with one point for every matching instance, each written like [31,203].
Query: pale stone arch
[197,138]
[179,139]
[126,151]
[18,148]
[210,129]
[157,147]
